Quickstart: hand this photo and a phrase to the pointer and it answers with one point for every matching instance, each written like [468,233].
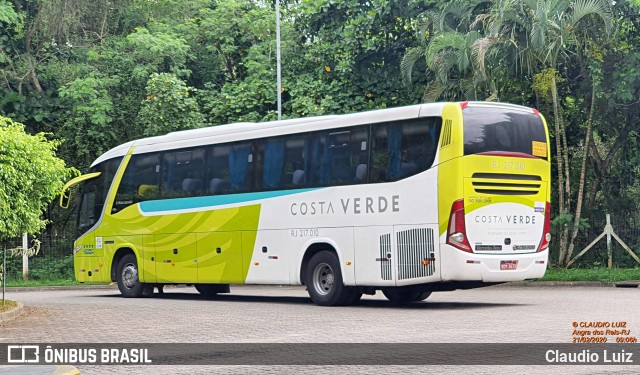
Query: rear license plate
[508,264]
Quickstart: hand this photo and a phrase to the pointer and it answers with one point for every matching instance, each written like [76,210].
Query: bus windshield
[488,129]
[93,194]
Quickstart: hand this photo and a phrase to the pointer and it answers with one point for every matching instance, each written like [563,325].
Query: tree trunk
[583,171]
[559,160]
[602,165]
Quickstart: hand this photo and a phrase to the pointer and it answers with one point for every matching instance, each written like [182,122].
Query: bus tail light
[546,232]
[457,231]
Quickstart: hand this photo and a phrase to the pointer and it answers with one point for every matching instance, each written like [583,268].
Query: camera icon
[23,354]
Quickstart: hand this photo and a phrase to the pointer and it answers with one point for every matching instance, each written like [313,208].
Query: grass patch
[592,274]
[51,282]
[8,305]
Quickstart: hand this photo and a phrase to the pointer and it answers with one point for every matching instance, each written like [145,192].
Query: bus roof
[251,130]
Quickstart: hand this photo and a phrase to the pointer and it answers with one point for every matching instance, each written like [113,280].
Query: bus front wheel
[323,279]
[127,277]
[404,295]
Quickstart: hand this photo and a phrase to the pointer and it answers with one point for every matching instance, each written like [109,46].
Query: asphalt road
[250,314]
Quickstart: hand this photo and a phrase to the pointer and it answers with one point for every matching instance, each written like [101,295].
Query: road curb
[587,284]
[63,287]
[12,314]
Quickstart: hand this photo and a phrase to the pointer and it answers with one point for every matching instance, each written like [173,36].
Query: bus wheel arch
[312,250]
[119,254]
[321,272]
[126,273]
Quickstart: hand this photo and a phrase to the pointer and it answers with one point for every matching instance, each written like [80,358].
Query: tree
[556,29]
[30,177]
[168,106]
[534,39]
[450,44]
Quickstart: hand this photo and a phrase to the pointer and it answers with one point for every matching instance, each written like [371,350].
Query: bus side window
[229,168]
[140,181]
[183,173]
[295,161]
[240,158]
[283,162]
[403,148]
[319,168]
[339,157]
[273,163]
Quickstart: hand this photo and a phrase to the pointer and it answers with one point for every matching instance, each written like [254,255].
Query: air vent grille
[415,253]
[506,184]
[446,133]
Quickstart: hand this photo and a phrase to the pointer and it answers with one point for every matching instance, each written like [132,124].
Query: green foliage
[158,51]
[90,112]
[543,83]
[10,21]
[30,177]
[97,74]
[168,106]
[41,268]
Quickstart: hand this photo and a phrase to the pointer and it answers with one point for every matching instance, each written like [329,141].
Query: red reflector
[464,105]
[544,243]
[457,232]
[535,112]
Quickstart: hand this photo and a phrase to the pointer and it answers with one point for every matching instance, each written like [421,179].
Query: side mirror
[65,195]
[65,198]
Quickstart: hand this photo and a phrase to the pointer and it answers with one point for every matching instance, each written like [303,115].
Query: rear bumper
[458,265]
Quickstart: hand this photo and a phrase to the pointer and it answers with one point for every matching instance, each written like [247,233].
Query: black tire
[212,290]
[423,295]
[352,297]
[147,290]
[127,277]
[405,295]
[323,279]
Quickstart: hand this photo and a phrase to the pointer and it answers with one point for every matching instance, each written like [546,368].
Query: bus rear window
[503,129]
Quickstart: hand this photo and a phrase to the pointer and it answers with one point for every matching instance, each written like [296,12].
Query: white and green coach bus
[408,201]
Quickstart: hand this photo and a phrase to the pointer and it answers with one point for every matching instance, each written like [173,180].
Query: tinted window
[94,194]
[499,129]
[339,156]
[323,158]
[183,173]
[282,162]
[403,148]
[140,181]
[229,168]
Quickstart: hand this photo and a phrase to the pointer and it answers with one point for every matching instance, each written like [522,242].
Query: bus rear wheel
[127,276]
[405,295]
[212,290]
[323,279]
